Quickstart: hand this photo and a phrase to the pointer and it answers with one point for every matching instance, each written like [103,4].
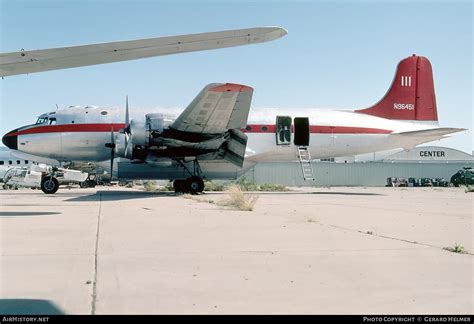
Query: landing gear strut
[194,184]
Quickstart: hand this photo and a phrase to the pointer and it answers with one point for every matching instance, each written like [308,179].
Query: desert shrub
[149,186]
[236,199]
[457,248]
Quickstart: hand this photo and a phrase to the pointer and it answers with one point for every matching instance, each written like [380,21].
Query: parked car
[396,182]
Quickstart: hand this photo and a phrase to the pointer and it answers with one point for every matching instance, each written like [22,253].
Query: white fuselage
[80,134]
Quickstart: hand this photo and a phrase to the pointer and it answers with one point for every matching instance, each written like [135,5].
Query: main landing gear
[194,184]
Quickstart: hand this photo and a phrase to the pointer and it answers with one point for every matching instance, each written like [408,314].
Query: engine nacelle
[143,135]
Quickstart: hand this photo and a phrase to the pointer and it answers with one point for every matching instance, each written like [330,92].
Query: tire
[178,185]
[49,185]
[84,184]
[194,185]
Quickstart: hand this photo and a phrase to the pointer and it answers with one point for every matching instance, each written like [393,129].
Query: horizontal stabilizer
[434,132]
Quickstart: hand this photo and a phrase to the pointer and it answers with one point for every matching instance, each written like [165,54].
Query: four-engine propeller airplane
[215,138]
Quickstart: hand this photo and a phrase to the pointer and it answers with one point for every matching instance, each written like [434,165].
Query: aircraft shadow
[120,195]
[29,307]
[14,214]
[341,193]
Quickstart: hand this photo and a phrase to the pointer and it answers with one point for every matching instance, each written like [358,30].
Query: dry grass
[149,186]
[238,200]
[457,248]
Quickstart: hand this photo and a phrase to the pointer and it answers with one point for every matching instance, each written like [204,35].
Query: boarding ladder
[305,159]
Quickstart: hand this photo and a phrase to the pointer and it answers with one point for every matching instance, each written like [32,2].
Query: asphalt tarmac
[308,251]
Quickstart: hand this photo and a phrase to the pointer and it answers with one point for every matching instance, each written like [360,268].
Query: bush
[457,248]
[149,185]
[245,185]
[212,186]
[272,187]
[238,200]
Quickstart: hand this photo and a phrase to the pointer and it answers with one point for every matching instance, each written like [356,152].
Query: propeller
[127,118]
[127,130]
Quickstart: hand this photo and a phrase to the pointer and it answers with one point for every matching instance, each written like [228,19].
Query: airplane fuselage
[80,134]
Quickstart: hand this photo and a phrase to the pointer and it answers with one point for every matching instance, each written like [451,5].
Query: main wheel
[178,185]
[84,184]
[49,185]
[194,185]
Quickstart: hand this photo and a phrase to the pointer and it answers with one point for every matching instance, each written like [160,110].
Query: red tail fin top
[411,95]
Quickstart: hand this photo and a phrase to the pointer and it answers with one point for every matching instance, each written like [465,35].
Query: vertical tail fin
[411,95]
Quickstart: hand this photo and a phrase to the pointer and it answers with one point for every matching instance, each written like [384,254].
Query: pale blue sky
[337,54]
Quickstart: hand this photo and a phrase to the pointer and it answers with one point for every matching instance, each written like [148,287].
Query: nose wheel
[49,185]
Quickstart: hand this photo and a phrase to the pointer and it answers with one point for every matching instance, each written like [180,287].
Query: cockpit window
[52,121]
[42,120]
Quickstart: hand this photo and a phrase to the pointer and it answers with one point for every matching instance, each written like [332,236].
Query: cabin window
[103,113]
[264,128]
[42,120]
[18,161]
[248,128]
[10,162]
[1,162]
[26,161]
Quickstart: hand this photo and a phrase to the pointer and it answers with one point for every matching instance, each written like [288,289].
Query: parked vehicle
[397,182]
[42,176]
[463,177]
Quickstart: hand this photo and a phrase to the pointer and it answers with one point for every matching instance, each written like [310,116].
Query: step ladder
[305,159]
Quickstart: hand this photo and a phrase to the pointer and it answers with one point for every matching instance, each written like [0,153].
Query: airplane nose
[10,140]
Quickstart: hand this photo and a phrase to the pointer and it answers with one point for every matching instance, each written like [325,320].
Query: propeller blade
[112,151]
[127,131]
[127,117]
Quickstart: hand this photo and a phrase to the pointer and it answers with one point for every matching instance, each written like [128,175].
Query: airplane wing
[216,109]
[26,61]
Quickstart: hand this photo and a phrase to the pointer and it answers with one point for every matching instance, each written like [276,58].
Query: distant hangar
[369,169]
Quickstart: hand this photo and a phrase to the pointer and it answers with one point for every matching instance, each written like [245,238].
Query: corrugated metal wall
[350,174]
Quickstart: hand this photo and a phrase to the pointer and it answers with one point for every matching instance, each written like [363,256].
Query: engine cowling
[142,135]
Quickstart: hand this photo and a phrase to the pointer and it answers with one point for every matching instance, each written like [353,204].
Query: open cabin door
[283,130]
[301,127]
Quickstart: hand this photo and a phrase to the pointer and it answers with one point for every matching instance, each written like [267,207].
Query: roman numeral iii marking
[406,81]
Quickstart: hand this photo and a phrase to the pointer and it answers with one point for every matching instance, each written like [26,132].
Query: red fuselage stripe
[254,128]
[70,128]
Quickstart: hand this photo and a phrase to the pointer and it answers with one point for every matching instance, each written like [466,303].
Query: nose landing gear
[49,185]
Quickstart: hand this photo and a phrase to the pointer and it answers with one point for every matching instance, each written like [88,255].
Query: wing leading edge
[68,57]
